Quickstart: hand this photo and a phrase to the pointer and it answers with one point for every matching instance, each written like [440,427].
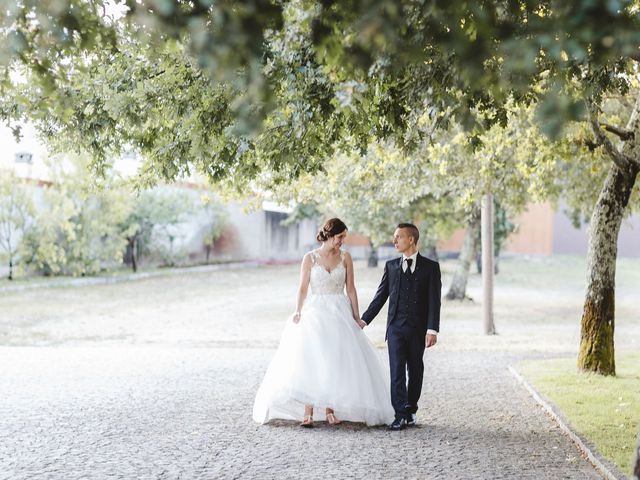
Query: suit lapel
[421,267]
[396,280]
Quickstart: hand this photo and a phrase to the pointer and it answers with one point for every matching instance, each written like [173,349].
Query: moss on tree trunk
[596,340]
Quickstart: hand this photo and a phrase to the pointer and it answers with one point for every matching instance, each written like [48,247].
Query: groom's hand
[430,340]
[361,323]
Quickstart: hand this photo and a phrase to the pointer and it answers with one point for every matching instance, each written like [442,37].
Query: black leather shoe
[412,420]
[398,424]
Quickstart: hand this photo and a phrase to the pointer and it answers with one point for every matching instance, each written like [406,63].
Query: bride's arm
[305,273]
[351,287]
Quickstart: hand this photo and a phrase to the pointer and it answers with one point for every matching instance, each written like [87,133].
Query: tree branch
[591,144]
[632,125]
[621,132]
[621,160]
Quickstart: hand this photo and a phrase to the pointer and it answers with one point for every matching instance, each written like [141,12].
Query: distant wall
[534,234]
[545,231]
[571,240]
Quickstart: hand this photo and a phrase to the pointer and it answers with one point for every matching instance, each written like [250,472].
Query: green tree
[598,318]
[485,49]
[438,186]
[216,221]
[152,225]
[372,193]
[77,231]
[514,162]
[16,216]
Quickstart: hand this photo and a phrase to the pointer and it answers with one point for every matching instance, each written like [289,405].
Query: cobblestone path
[156,412]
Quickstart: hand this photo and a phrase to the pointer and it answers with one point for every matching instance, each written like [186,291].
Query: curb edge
[129,277]
[604,467]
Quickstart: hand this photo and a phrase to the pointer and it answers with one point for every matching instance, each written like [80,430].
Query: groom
[413,285]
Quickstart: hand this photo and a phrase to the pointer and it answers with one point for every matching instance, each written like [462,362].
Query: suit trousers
[406,349]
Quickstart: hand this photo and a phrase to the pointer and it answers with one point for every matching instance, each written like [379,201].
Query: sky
[37,169]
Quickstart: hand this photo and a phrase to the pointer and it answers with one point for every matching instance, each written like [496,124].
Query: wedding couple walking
[325,360]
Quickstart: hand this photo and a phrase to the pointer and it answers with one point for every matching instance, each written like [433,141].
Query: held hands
[361,323]
[430,340]
[296,317]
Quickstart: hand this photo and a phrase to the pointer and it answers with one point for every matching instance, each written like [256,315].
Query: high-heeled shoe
[332,420]
[307,421]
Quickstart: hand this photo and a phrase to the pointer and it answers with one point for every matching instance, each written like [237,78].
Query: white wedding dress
[325,360]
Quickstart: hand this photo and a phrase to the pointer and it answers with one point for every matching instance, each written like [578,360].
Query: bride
[324,359]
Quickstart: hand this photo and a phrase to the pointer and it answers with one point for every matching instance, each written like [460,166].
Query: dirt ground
[538,304]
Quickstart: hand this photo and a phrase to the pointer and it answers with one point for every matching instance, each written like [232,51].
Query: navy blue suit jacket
[429,288]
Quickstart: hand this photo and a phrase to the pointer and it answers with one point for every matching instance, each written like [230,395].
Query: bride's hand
[296,317]
[361,323]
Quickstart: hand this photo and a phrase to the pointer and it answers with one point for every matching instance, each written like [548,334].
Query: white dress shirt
[414,257]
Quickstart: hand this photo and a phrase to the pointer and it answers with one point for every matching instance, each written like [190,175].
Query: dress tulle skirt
[325,360]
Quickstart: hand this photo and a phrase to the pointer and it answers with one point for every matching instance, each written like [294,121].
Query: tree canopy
[233,88]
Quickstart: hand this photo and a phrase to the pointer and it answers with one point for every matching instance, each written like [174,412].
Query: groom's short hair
[413,230]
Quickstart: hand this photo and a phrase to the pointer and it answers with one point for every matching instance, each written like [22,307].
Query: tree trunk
[10,251]
[596,340]
[372,262]
[636,463]
[132,249]
[487,220]
[458,288]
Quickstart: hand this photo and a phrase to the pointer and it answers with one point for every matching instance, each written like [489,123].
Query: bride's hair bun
[331,228]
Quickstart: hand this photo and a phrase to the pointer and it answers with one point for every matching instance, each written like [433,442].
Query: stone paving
[155,379]
[168,412]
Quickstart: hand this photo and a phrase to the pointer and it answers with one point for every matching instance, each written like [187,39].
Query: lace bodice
[322,281]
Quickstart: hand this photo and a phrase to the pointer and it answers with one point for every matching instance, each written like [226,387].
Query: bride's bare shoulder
[309,257]
[345,254]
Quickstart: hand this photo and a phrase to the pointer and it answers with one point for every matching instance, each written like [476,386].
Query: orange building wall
[534,234]
[355,239]
[535,231]
[453,243]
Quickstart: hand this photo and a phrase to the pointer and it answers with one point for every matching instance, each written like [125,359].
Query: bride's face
[337,240]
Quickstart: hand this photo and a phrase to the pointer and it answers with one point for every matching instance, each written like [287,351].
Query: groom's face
[402,240]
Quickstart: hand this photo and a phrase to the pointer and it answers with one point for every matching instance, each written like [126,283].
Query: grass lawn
[606,410]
